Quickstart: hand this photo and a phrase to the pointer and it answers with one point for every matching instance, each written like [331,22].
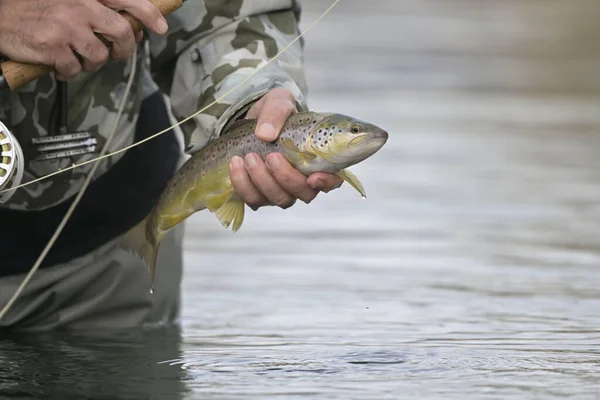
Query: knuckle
[69,69]
[96,53]
[73,69]
[67,64]
[254,201]
[49,40]
[281,92]
[333,183]
[122,30]
[47,58]
[308,198]
[284,97]
[104,55]
[88,67]
[100,54]
[254,205]
[285,178]
[118,53]
[284,201]
[280,107]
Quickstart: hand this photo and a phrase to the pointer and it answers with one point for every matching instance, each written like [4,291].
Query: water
[471,270]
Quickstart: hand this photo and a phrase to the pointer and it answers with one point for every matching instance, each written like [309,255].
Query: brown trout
[311,142]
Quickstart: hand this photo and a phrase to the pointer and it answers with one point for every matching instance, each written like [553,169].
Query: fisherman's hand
[276,181]
[50,32]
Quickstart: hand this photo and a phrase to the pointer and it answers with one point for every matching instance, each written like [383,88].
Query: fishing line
[69,212]
[187,118]
[79,195]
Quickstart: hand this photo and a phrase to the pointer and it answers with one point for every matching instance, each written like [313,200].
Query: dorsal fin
[237,124]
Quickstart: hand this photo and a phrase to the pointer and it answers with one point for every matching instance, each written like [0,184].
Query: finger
[92,50]
[254,111]
[278,106]
[324,182]
[146,12]
[67,65]
[139,36]
[266,183]
[290,179]
[115,29]
[244,186]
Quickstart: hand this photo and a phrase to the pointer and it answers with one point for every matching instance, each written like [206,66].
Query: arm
[211,47]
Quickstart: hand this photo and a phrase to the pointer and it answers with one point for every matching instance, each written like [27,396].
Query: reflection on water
[471,270]
[119,365]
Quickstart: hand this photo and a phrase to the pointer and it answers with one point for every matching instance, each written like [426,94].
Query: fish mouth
[380,135]
[377,136]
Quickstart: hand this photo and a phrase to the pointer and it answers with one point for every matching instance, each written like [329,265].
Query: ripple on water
[471,269]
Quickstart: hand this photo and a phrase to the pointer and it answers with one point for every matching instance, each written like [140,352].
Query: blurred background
[470,271]
[473,266]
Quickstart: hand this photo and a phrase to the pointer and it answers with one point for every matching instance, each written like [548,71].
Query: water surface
[471,270]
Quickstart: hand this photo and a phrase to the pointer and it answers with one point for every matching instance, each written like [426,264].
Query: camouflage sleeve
[212,46]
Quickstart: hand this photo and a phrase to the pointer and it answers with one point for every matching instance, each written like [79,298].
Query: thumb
[277,107]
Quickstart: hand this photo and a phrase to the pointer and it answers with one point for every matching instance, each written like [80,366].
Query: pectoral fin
[168,222]
[231,211]
[353,181]
[215,201]
[294,154]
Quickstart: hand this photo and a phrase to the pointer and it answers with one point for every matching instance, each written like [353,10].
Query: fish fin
[137,242]
[215,201]
[293,152]
[231,211]
[353,180]
[168,222]
[237,124]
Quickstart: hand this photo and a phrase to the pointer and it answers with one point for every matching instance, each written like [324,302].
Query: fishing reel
[11,163]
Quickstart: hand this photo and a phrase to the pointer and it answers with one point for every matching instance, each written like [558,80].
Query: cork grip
[19,74]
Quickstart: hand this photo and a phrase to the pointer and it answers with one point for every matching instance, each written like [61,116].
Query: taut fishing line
[87,181]
[187,118]
[102,156]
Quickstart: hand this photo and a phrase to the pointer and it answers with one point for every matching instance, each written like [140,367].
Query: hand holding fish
[315,145]
[275,181]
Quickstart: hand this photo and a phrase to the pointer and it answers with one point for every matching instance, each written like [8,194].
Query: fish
[309,141]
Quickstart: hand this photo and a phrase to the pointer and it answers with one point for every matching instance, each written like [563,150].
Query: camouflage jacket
[211,46]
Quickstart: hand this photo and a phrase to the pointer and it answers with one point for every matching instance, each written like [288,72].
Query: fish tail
[142,242]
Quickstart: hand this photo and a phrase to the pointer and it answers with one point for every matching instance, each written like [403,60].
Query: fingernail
[161,25]
[317,184]
[236,162]
[251,160]
[266,131]
[273,162]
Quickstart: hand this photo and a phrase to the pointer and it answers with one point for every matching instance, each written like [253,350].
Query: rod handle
[17,74]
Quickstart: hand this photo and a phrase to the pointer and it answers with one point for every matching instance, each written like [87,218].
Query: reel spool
[11,163]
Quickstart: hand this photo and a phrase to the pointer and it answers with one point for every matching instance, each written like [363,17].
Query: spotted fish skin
[241,141]
[310,141]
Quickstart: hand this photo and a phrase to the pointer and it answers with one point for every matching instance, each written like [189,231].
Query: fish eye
[356,129]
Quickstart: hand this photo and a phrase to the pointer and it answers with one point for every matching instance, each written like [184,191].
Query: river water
[470,271]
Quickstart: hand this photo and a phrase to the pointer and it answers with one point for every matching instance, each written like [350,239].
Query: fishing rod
[15,75]
[50,243]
